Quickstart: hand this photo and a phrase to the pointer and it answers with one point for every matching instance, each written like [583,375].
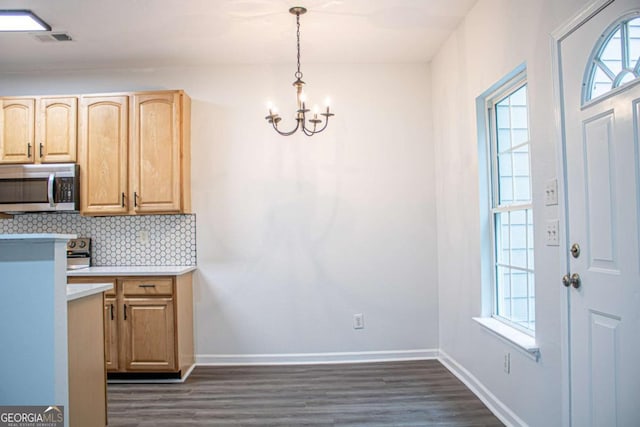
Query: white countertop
[151,270]
[40,236]
[81,290]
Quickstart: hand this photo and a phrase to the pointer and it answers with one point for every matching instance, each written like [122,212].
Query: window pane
[521,164]
[506,190]
[519,136]
[502,114]
[626,78]
[504,164]
[529,247]
[531,321]
[502,238]
[522,188]
[519,117]
[610,68]
[503,294]
[611,55]
[518,239]
[601,83]
[519,97]
[504,140]
[634,41]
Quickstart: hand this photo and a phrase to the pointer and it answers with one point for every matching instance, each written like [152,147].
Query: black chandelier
[309,127]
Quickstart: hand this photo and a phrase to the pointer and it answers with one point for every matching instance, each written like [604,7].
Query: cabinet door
[17,126]
[155,152]
[148,334]
[103,154]
[111,333]
[56,134]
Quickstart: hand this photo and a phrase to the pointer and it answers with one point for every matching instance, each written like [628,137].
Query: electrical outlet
[143,237]
[551,192]
[358,321]
[552,236]
[507,363]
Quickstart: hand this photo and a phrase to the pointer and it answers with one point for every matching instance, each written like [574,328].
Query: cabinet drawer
[147,287]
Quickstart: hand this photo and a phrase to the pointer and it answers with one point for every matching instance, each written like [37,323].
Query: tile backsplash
[119,240]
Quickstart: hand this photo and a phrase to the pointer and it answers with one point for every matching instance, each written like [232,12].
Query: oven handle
[52,177]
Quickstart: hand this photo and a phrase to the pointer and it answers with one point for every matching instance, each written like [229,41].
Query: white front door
[602,192]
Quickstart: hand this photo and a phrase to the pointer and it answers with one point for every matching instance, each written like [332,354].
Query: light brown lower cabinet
[148,326]
[148,334]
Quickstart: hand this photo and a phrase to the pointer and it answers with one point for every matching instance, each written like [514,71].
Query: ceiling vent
[54,37]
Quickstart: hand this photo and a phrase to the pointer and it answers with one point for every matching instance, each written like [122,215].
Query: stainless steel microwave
[39,188]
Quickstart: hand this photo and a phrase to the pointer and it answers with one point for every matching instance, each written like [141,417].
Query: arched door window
[615,58]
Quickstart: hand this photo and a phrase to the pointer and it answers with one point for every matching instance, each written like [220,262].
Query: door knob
[575,250]
[573,280]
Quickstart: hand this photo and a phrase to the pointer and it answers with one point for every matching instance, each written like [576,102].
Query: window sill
[519,339]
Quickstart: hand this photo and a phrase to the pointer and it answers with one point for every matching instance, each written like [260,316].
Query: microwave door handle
[52,177]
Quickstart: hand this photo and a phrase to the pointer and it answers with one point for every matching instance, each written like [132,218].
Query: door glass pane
[611,67]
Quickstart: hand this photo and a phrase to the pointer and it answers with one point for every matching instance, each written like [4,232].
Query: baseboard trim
[499,409]
[314,358]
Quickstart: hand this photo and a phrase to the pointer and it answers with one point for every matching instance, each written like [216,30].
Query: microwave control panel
[65,190]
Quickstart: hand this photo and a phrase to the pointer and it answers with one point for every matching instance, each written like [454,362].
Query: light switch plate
[552,232]
[551,192]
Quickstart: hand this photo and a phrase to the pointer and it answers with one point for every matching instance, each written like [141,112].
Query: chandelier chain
[298,73]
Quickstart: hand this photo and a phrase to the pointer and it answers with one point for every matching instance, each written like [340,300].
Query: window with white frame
[511,216]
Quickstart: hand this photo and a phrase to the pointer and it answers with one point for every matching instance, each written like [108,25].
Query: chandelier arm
[307,131]
[326,122]
[287,133]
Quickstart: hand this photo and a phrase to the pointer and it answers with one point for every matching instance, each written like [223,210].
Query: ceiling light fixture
[21,20]
[301,114]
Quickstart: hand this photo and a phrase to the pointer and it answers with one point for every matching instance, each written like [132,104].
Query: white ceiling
[151,33]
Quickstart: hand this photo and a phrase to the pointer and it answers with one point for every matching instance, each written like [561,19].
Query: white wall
[295,235]
[496,37]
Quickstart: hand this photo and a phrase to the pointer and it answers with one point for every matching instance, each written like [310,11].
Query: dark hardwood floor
[414,393]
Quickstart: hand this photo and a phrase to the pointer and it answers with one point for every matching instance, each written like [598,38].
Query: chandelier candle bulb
[301,98]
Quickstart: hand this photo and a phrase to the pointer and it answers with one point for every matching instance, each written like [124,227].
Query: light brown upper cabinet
[160,160]
[56,130]
[38,130]
[102,154]
[134,153]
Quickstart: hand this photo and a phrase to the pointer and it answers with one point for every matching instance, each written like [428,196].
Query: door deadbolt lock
[573,280]
[575,250]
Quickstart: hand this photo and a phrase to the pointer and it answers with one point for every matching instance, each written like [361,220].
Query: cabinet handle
[28,149]
[135,199]
[111,311]
[146,286]
[123,199]
[125,311]
[41,147]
